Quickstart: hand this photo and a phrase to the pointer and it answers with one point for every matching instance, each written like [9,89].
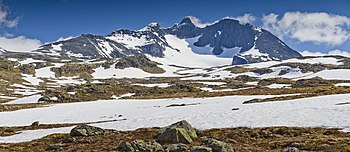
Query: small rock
[177,148]
[235,109]
[35,124]
[141,145]
[44,98]
[324,146]
[54,147]
[296,145]
[68,139]
[126,146]
[86,130]
[4,107]
[290,149]
[218,146]
[200,149]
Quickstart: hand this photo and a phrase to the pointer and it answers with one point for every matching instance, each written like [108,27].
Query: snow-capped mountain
[2,51]
[255,44]
[226,38]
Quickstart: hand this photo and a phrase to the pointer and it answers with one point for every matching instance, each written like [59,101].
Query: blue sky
[43,21]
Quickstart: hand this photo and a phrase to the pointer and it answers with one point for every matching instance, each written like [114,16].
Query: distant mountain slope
[224,38]
[2,51]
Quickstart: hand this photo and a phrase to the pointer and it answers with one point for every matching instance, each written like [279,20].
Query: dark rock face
[224,34]
[239,60]
[184,29]
[227,33]
[270,48]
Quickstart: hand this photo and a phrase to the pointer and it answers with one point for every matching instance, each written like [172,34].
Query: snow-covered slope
[205,114]
[182,55]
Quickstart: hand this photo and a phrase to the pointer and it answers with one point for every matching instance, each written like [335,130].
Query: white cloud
[197,22]
[64,38]
[315,27]
[11,42]
[333,52]
[4,17]
[339,52]
[308,53]
[19,44]
[246,18]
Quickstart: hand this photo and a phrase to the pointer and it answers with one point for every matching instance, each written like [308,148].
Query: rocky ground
[182,137]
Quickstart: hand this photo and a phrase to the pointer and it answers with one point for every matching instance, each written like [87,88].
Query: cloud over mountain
[316,27]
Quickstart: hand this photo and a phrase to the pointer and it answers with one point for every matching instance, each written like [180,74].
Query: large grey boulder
[218,146]
[86,130]
[185,125]
[179,132]
[141,145]
[175,135]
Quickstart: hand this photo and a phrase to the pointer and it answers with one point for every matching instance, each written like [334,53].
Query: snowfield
[214,112]
[336,74]
[25,100]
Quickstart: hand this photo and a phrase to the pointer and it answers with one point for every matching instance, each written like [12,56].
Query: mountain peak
[2,50]
[193,20]
[151,27]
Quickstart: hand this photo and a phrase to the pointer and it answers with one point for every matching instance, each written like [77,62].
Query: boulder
[217,146]
[86,130]
[44,99]
[182,124]
[35,124]
[175,135]
[200,149]
[187,126]
[177,148]
[126,146]
[141,145]
[180,132]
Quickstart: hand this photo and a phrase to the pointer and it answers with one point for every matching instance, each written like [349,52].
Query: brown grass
[242,139]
